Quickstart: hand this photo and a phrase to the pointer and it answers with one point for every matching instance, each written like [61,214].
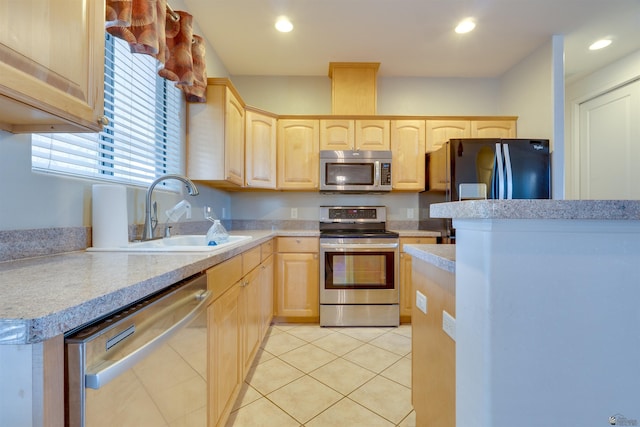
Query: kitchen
[55,206]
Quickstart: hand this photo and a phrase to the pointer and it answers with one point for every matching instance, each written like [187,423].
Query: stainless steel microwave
[355,171]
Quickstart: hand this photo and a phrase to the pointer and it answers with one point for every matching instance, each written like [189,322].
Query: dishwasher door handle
[104,376]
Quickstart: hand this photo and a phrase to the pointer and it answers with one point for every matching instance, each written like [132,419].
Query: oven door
[359,271]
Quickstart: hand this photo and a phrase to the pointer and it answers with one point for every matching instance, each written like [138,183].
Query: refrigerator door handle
[500,171]
[508,171]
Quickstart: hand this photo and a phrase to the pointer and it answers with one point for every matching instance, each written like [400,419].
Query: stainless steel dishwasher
[143,366]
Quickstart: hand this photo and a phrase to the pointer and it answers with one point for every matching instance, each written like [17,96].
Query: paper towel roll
[109,216]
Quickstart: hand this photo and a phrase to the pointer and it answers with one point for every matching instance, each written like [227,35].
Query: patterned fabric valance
[152,28]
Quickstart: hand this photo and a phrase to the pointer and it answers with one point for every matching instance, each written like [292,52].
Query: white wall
[597,83]
[277,206]
[35,200]
[395,96]
[533,91]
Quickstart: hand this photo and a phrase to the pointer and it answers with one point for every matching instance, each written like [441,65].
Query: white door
[610,145]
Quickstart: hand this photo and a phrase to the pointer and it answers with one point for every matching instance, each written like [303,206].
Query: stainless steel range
[358,267]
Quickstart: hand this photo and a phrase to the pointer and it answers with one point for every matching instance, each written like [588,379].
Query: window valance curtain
[151,28]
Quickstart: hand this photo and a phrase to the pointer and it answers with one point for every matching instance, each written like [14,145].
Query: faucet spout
[147,232]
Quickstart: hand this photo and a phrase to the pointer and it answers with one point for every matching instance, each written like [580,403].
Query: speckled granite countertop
[442,256]
[45,296]
[539,209]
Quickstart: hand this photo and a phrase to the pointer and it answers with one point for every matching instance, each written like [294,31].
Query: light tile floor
[305,375]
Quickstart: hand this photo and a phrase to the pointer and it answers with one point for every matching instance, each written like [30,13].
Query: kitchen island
[547,319]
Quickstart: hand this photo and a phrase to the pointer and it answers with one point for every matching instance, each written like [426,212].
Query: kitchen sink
[183,243]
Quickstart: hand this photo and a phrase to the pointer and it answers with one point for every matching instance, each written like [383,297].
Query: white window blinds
[143,138]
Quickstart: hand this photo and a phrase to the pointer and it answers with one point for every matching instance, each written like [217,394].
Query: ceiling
[412,37]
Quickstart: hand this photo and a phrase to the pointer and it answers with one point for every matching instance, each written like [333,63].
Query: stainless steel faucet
[147,233]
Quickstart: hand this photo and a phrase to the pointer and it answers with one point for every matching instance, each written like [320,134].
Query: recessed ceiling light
[465,26]
[600,44]
[284,25]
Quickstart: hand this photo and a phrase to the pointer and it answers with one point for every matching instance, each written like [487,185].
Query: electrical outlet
[409,213]
[294,212]
[421,302]
[449,325]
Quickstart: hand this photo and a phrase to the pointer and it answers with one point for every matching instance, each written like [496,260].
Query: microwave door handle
[500,171]
[508,171]
[377,173]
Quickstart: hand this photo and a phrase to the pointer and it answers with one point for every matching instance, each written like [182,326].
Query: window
[142,140]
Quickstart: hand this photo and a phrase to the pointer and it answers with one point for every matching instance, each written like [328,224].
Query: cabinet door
[493,129]
[298,154]
[440,131]
[408,151]
[266,294]
[225,349]
[51,65]
[337,134]
[373,135]
[234,139]
[406,295]
[297,287]
[260,150]
[251,317]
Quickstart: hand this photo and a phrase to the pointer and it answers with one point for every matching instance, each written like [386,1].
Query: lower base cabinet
[238,319]
[297,286]
[406,296]
[433,359]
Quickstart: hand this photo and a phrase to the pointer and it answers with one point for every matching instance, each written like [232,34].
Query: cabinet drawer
[222,276]
[416,241]
[266,249]
[250,260]
[297,244]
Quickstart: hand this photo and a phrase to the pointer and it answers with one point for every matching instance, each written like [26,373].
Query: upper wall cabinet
[260,150]
[51,65]
[408,151]
[298,154]
[373,134]
[441,130]
[493,128]
[215,136]
[344,134]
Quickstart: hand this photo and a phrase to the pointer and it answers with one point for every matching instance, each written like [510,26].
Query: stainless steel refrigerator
[479,168]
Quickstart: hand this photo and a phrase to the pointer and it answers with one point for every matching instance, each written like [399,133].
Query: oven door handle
[101,378]
[358,245]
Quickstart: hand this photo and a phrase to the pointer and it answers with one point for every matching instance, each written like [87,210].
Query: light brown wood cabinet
[493,129]
[266,286]
[408,148]
[440,131]
[260,150]
[238,320]
[407,297]
[344,134]
[297,279]
[52,65]
[433,360]
[224,319]
[298,154]
[215,136]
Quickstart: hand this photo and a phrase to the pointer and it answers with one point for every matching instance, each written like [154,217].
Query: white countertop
[442,256]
